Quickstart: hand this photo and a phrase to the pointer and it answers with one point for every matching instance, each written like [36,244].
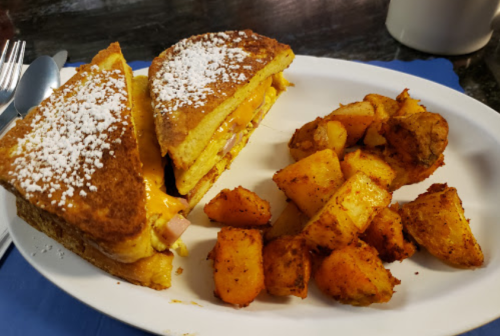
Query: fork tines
[10,70]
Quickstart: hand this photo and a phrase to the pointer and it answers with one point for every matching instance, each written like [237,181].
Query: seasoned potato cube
[355,275]
[238,265]
[408,105]
[419,138]
[406,172]
[290,223]
[287,266]
[373,166]
[373,136]
[362,199]
[238,207]
[348,212]
[311,181]
[436,220]
[385,107]
[302,143]
[355,117]
[330,228]
[317,135]
[385,233]
[337,137]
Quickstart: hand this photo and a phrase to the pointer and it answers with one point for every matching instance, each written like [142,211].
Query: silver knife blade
[60,58]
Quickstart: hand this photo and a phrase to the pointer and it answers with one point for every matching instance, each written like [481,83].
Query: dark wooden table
[352,30]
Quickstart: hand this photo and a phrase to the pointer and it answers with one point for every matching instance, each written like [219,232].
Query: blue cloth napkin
[31,305]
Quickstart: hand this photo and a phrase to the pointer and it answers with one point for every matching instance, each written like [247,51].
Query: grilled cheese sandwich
[85,171]
[209,92]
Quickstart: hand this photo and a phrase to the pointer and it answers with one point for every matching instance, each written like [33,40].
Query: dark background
[353,30]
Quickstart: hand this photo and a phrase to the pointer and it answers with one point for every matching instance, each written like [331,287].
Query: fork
[10,70]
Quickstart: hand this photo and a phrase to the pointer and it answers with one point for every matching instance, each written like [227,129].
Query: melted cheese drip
[244,113]
[160,206]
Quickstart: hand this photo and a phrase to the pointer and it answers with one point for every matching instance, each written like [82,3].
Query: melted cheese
[238,123]
[244,113]
[160,206]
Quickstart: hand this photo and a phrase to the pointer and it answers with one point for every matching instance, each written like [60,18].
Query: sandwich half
[84,173]
[209,92]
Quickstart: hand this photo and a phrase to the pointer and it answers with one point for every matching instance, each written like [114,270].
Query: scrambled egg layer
[160,206]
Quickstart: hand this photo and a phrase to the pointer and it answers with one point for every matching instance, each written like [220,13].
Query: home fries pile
[339,225]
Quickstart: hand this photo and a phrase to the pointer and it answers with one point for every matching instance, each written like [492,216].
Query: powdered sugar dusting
[69,138]
[186,74]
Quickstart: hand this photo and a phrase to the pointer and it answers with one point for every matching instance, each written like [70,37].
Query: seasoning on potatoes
[373,166]
[385,234]
[318,135]
[238,265]
[385,107]
[355,275]
[311,181]
[356,117]
[238,207]
[436,220]
[287,266]
[348,213]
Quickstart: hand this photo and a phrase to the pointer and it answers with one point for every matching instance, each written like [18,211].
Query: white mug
[445,27]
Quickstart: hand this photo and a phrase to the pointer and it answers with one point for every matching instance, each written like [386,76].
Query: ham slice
[175,228]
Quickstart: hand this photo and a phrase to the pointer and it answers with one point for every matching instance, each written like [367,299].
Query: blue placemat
[31,305]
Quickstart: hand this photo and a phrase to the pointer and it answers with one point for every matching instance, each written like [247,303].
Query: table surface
[351,30]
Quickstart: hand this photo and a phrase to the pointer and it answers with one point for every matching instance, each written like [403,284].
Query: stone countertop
[352,30]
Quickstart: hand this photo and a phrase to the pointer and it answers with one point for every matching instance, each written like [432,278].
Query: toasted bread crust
[114,216]
[173,126]
[153,271]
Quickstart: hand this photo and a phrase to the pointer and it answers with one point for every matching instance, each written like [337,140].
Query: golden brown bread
[153,271]
[85,172]
[199,81]
[44,158]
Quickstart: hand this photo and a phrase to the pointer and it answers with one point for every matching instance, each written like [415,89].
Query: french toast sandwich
[209,92]
[75,165]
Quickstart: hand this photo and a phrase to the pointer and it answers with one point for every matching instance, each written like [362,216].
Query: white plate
[439,300]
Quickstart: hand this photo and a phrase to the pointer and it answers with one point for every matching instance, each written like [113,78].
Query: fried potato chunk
[290,222]
[385,234]
[373,166]
[311,181]
[238,265]
[287,266]
[348,213]
[356,117]
[337,137]
[407,172]
[355,275]
[420,138]
[303,143]
[238,207]
[385,108]
[408,105]
[317,135]
[436,220]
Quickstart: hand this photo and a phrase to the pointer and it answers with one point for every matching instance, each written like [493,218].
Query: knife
[43,66]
